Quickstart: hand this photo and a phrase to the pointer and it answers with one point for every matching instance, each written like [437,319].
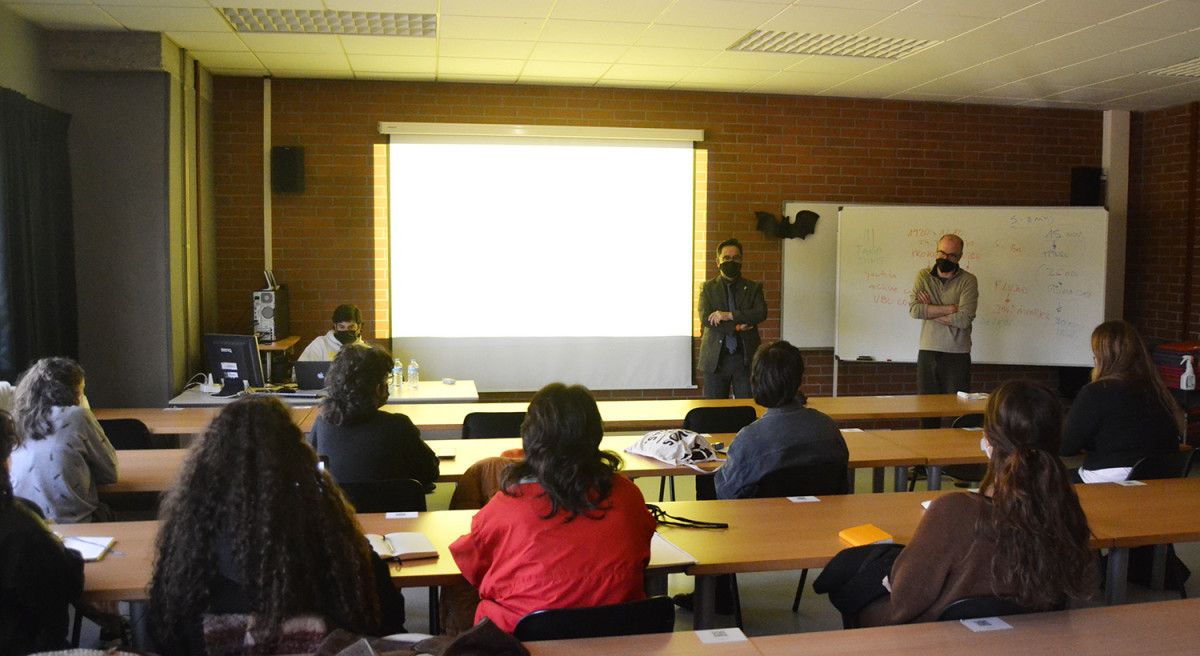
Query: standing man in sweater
[731,308]
[944,298]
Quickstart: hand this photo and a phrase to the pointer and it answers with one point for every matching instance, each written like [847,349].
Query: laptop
[310,376]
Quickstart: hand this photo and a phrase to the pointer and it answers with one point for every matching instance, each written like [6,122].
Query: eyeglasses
[950,256]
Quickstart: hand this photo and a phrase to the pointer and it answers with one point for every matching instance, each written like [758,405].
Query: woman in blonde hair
[1125,413]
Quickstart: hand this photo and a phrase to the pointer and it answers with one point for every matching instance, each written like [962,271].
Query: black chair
[1161,557]
[492,424]
[652,615]
[975,607]
[971,473]
[131,434]
[1172,464]
[817,479]
[729,419]
[389,495]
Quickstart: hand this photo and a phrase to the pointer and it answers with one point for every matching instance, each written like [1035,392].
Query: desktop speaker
[271,314]
[287,170]
[1087,186]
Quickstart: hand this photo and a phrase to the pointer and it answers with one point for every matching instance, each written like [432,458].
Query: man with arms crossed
[944,298]
[731,308]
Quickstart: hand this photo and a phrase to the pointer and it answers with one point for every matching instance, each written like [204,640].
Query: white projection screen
[519,261]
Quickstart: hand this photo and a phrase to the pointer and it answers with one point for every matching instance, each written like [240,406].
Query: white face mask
[986,447]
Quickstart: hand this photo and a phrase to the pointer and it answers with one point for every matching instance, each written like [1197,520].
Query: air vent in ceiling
[327,21]
[1189,68]
[836,45]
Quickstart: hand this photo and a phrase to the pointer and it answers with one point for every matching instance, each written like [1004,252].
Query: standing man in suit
[944,299]
[731,308]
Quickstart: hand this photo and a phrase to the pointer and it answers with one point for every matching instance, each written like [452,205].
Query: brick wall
[330,243]
[1155,285]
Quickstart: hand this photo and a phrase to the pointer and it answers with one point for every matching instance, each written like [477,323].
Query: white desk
[429,391]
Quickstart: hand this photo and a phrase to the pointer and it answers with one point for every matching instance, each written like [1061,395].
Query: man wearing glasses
[944,298]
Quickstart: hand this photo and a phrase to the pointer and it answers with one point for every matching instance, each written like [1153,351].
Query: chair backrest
[719,420]
[973,607]
[492,424]
[130,434]
[973,420]
[651,615]
[389,495]
[1168,464]
[816,479]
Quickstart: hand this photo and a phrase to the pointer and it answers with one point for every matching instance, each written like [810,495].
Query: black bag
[854,578]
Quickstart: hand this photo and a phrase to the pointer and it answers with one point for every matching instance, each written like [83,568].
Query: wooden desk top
[1155,513]
[1165,627]
[279,344]
[679,643]
[939,446]
[188,421]
[125,570]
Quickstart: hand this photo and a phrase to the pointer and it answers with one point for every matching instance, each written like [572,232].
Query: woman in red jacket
[566,531]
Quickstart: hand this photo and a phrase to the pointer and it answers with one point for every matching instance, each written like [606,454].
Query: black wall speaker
[287,169]
[1087,185]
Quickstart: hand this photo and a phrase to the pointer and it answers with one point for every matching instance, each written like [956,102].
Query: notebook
[402,546]
[864,534]
[91,548]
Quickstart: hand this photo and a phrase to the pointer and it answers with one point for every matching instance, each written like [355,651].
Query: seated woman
[789,434]
[38,577]
[256,542]
[566,531]
[1023,537]
[1125,413]
[62,453]
[362,442]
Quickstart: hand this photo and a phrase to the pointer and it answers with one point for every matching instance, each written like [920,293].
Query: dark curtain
[37,239]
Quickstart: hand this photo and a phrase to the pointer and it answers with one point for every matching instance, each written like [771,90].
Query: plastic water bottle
[414,374]
[397,376]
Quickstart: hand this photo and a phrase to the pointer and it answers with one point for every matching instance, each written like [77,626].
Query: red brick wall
[1155,285]
[761,151]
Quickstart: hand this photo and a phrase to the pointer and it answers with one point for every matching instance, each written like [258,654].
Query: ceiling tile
[1086,94]
[633,84]
[227,41]
[726,76]
[986,100]
[667,56]
[477,79]
[643,11]
[398,6]
[1167,17]
[718,13]
[389,45]
[478,27]
[485,49]
[296,43]
[581,70]
[824,20]
[579,52]
[912,25]
[1054,104]
[293,62]
[150,3]
[509,8]
[648,73]
[472,66]
[556,81]
[239,4]
[678,36]
[393,64]
[801,82]
[307,74]
[984,8]
[924,97]
[66,17]
[238,72]
[1082,14]
[760,61]
[578,31]
[168,19]
[244,60]
[840,65]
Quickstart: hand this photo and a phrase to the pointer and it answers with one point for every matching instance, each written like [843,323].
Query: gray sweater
[961,290]
[60,472]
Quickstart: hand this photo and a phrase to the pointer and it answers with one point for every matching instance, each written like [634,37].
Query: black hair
[731,242]
[561,437]
[352,384]
[776,374]
[347,312]
[8,440]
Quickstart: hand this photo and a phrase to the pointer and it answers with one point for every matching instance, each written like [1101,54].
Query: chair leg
[672,479]
[76,625]
[736,597]
[435,625]
[799,591]
[662,489]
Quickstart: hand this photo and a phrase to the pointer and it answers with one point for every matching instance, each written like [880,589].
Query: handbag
[676,446]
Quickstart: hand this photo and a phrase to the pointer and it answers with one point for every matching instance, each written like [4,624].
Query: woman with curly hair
[1126,413]
[362,442]
[38,577]
[1023,537]
[259,547]
[566,531]
[62,452]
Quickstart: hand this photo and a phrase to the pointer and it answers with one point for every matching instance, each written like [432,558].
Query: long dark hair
[561,437]
[1036,523]
[8,439]
[1122,355]
[252,484]
[352,384]
[48,383]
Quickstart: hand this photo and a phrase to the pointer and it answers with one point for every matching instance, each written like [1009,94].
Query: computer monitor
[233,360]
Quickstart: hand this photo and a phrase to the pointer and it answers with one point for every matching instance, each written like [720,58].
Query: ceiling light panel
[328,21]
[834,45]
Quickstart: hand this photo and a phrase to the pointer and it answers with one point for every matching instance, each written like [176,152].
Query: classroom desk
[155,470]
[939,447]
[678,643]
[428,391]
[187,421]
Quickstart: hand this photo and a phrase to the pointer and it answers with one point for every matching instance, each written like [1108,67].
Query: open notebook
[402,546]
[91,548]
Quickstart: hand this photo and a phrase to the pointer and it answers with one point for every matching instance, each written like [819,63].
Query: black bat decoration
[803,225]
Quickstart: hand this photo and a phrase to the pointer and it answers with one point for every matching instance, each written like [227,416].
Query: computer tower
[271,314]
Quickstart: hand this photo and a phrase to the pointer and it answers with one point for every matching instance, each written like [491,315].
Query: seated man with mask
[347,329]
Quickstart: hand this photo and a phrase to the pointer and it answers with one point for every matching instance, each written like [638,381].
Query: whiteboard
[809,283]
[1041,277]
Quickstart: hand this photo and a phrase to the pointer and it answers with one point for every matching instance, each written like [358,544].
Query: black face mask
[730,269]
[946,266]
[346,336]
